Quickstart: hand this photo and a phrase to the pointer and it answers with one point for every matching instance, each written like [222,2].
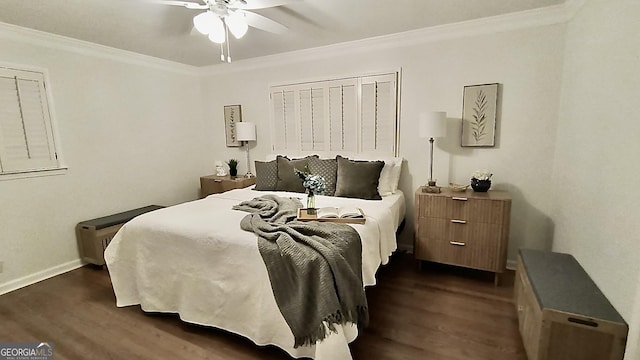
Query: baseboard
[511,264]
[39,276]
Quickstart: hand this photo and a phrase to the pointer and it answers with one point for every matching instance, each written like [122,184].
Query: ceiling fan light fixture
[237,24]
[205,22]
[218,34]
[216,37]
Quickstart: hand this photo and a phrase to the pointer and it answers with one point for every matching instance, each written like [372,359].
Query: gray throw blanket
[315,268]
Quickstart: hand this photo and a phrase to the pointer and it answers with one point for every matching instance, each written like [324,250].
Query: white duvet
[193,259]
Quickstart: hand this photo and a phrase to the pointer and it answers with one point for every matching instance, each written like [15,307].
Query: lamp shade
[433,124]
[237,24]
[246,131]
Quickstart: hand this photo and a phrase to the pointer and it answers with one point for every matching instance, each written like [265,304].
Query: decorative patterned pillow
[358,179]
[266,175]
[287,178]
[328,169]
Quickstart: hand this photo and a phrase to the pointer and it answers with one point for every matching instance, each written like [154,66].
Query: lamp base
[431,189]
[431,183]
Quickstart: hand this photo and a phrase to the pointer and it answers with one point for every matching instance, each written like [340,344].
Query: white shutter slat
[33,115]
[279,125]
[335,118]
[368,117]
[13,140]
[319,118]
[291,128]
[350,117]
[385,115]
[306,120]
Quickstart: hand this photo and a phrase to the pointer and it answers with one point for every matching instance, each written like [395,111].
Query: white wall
[596,161]
[131,136]
[526,62]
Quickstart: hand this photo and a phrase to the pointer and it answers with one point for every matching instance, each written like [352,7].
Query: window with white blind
[26,133]
[345,116]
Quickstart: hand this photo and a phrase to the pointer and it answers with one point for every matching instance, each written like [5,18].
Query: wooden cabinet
[469,229]
[562,315]
[212,184]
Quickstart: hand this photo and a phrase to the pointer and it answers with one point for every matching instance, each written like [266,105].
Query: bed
[194,260]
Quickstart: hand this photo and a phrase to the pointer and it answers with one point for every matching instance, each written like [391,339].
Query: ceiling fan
[222,17]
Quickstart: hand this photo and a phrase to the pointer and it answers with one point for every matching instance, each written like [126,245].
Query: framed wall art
[232,115]
[479,111]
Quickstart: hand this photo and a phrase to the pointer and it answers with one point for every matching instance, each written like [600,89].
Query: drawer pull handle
[458,243]
[458,221]
[217,180]
[582,322]
[459,198]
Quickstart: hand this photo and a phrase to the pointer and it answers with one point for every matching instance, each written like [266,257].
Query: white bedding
[193,259]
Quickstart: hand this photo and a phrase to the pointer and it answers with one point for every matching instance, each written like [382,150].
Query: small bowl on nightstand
[457,187]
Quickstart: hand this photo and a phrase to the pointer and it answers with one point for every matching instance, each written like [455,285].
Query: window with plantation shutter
[342,116]
[26,135]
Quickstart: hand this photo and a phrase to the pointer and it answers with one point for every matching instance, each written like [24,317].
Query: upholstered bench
[94,235]
[561,312]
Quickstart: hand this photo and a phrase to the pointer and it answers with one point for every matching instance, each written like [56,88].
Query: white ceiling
[166,31]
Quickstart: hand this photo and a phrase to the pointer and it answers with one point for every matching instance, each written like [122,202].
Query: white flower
[315,184]
[481,175]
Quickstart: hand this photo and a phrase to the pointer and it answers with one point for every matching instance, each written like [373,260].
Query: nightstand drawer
[470,253]
[476,210]
[481,233]
[212,184]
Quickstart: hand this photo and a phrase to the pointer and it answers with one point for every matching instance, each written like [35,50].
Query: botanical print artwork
[479,117]
[232,115]
[479,109]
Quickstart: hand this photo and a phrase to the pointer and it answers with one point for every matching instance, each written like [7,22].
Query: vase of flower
[311,203]
[481,181]
[314,184]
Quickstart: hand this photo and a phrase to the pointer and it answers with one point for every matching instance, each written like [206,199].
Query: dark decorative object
[233,167]
[480,185]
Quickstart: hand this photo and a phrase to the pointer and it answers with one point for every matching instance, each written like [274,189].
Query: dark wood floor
[438,313]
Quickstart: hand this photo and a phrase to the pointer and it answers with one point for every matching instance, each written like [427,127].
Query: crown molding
[40,38]
[550,15]
[572,7]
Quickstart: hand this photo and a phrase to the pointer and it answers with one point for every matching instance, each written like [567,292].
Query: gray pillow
[328,169]
[266,175]
[358,179]
[287,178]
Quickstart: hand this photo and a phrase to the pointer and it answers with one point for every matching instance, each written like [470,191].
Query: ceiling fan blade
[263,23]
[259,4]
[187,4]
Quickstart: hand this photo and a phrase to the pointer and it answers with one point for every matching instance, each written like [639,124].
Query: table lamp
[432,125]
[246,131]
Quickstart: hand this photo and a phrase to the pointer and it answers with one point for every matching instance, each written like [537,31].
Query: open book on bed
[345,212]
[348,215]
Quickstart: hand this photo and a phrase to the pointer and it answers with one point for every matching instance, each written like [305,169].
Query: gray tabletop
[560,283]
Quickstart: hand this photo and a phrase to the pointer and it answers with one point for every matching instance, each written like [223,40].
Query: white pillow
[385,183]
[389,176]
[395,174]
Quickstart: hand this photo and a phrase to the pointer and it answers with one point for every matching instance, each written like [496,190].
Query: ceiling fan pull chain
[226,33]
[221,53]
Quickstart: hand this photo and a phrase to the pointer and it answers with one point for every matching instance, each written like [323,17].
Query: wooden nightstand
[212,184]
[469,229]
